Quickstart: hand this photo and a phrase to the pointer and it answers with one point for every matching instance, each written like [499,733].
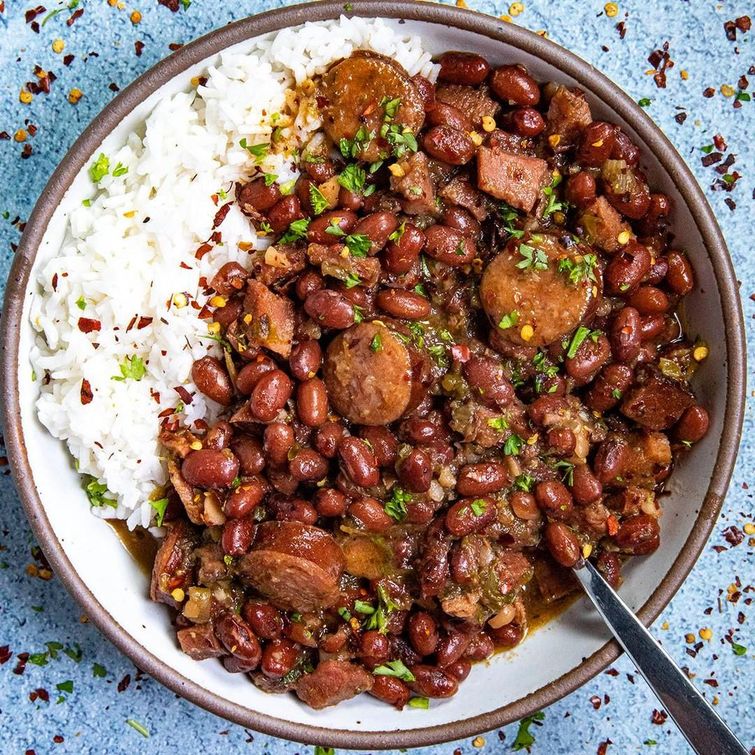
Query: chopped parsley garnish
[138,727]
[524,737]
[644,102]
[478,506]
[131,369]
[509,320]
[378,619]
[160,505]
[390,107]
[270,179]
[334,229]
[567,470]
[120,170]
[351,280]
[738,649]
[524,482]
[295,617]
[358,314]
[257,151]
[543,366]
[87,202]
[509,216]
[708,148]
[66,686]
[498,423]
[395,237]
[353,178]
[534,258]
[421,290]
[265,228]
[99,168]
[395,506]
[97,493]
[316,197]
[394,668]
[319,749]
[419,702]
[99,671]
[81,303]
[578,271]
[554,204]
[578,338]
[344,613]
[377,343]
[401,139]
[616,393]
[361,606]
[353,147]
[287,188]
[296,231]
[513,445]
[358,244]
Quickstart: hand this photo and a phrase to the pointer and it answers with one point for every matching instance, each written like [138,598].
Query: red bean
[507,636]
[470,515]
[370,512]
[425,89]
[657,272]
[625,335]
[265,620]
[649,300]
[580,189]
[330,309]
[449,246]
[390,690]
[219,435]
[627,269]
[248,450]
[279,658]
[524,506]
[562,544]
[328,437]
[609,565]
[358,462]
[638,535]
[284,212]
[377,226]
[591,355]
[237,638]
[488,382]
[402,255]
[208,468]
[317,232]
[651,327]
[406,305]
[610,460]
[383,442]
[422,630]
[451,648]
[679,277]
[481,479]
[625,149]
[305,359]
[449,145]
[229,279]
[320,170]
[330,502]
[514,84]
[463,68]
[308,465]
[633,203]
[309,282]
[270,395]
[561,440]
[237,536]
[211,378]
[459,670]
[278,441]
[609,387]
[295,510]
[416,471]
[258,195]
[693,425]
[598,141]
[554,498]
[527,121]
[586,487]
[430,681]
[480,647]
[350,200]
[462,220]
[312,402]
[242,501]
[250,374]
[374,648]
[443,114]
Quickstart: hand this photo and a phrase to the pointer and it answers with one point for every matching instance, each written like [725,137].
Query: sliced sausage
[333,682]
[368,373]
[352,91]
[199,642]
[543,299]
[296,566]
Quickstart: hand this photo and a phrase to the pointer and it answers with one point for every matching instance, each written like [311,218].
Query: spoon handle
[694,716]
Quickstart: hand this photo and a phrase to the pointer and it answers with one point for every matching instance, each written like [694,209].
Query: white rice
[131,252]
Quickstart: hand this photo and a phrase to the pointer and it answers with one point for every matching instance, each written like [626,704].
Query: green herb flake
[99,168]
[390,107]
[38,609]
[97,492]
[81,303]
[74,652]
[120,170]
[317,198]
[524,482]
[296,231]
[270,179]
[358,244]
[419,702]
[395,668]
[533,258]
[358,314]
[567,471]
[616,393]
[352,148]
[650,743]
[319,749]
[644,102]
[395,506]
[478,506]
[351,280]
[738,649]
[524,737]
[257,151]
[743,96]
[287,188]
[509,320]
[66,686]
[498,423]
[395,237]
[377,343]
[98,671]
[131,369]
[554,204]
[160,505]
[136,725]
[344,613]
[578,271]
[87,203]
[513,445]
[577,339]
[361,606]
[38,659]
[353,178]
[707,149]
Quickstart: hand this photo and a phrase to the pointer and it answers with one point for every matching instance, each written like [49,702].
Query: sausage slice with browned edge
[352,95]
[369,374]
[528,295]
[296,566]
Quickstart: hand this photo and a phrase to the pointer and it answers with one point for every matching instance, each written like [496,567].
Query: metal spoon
[693,714]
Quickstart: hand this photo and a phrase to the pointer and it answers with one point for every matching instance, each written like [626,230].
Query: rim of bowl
[654,141]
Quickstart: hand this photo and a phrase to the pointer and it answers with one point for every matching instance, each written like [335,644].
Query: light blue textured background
[92,718]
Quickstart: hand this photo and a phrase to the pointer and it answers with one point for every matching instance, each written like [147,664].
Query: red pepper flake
[138,48]
[661,61]
[742,24]
[720,143]
[123,683]
[21,665]
[205,313]
[27,151]
[143,322]
[87,325]
[173,46]
[220,214]
[4,136]
[68,59]
[184,266]
[74,16]
[165,412]
[42,694]
[204,249]
[55,282]
[595,702]
[58,739]
[460,353]
[612,672]
[131,324]
[680,118]
[86,392]
[32,13]
[171,5]
[5,654]
[621,27]
[733,535]
[709,92]
[711,682]
[216,237]
[603,747]
[113,87]
[186,397]
[659,717]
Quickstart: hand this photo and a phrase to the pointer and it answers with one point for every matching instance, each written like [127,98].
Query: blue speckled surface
[615,707]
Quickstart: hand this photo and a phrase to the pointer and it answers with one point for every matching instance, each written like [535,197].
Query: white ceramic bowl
[554,660]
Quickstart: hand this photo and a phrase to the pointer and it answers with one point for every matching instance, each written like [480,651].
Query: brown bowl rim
[591,80]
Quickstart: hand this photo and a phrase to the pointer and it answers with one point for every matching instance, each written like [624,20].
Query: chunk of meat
[174,563]
[178,441]
[459,191]
[336,262]
[351,93]
[474,103]
[546,300]
[512,570]
[368,372]
[603,224]
[415,185]
[333,682]
[568,116]
[367,558]
[508,142]
[191,503]
[476,423]
[553,580]
[463,605]
[296,566]
[211,566]
[657,403]
[649,454]
[199,642]
[516,179]
[268,319]
[277,263]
